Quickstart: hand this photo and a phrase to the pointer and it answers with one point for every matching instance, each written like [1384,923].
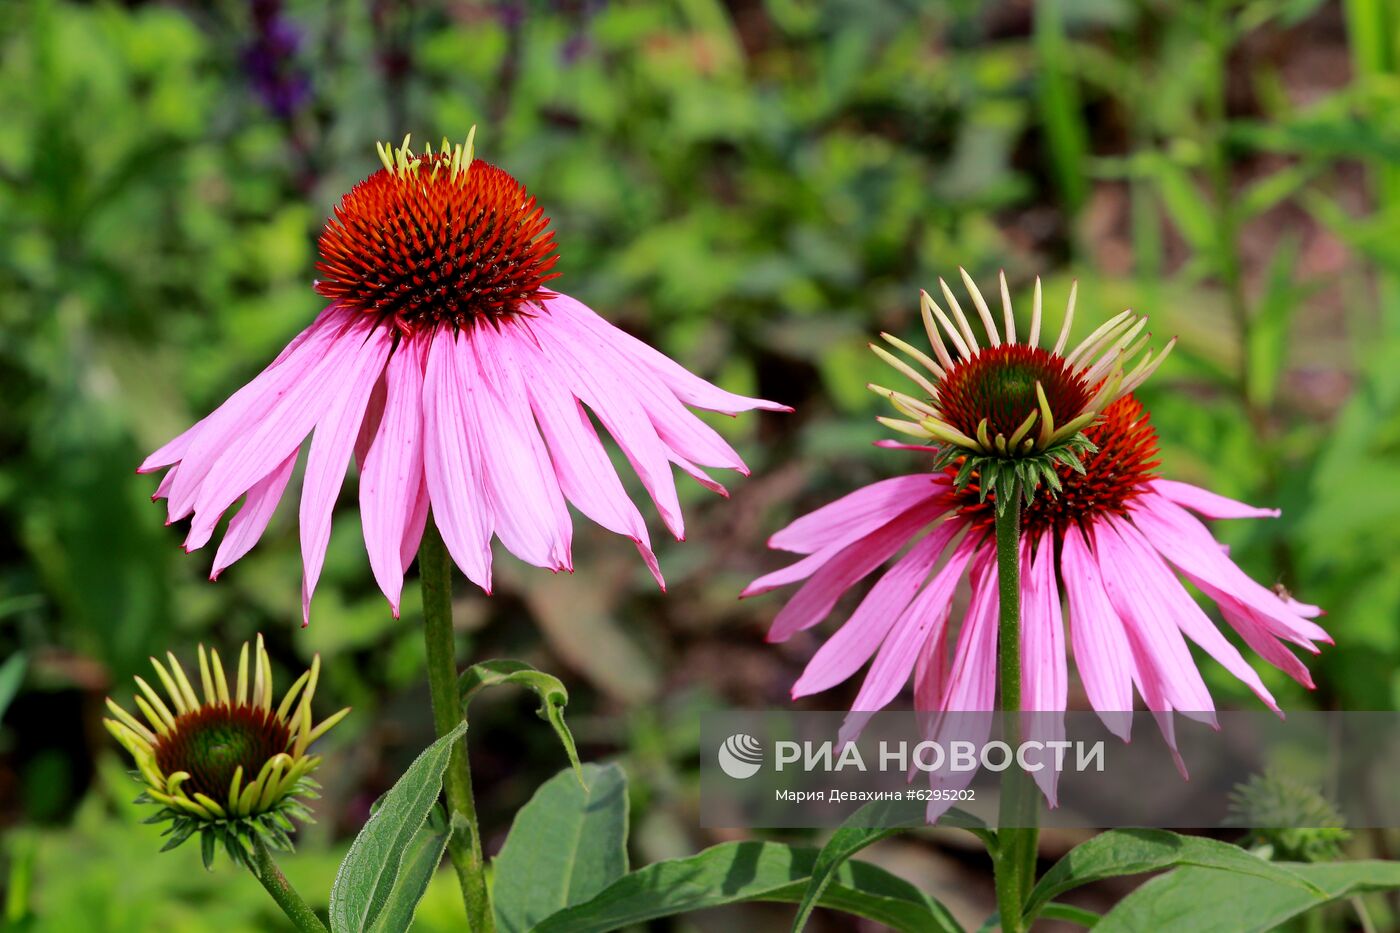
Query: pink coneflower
[460,384]
[1103,534]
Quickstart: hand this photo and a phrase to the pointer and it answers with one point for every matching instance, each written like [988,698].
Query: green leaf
[1134,851]
[567,844]
[550,689]
[11,675]
[844,843]
[387,854]
[752,871]
[1204,900]
[420,861]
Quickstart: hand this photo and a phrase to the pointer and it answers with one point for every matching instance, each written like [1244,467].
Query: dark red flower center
[1112,477]
[421,247]
[212,742]
[998,384]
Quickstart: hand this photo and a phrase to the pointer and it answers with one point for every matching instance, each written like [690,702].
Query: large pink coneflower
[460,384]
[1103,534]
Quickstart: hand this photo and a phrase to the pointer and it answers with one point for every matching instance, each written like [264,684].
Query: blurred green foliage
[757,188]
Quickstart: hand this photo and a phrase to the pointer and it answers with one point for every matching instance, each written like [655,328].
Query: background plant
[757,188]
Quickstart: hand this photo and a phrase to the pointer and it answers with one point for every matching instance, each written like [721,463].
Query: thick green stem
[270,876]
[1017,837]
[464,847]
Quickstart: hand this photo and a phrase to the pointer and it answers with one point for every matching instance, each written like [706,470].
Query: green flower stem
[271,878]
[1015,857]
[435,575]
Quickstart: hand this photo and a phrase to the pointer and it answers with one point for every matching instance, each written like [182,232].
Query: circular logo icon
[740,756]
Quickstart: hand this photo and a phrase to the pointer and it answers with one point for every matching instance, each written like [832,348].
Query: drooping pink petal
[1163,662]
[613,401]
[1162,587]
[374,412]
[925,615]
[585,473]
[1044,673]
[972,680]
[688,387]
[678,428]
[1244,620]
[231,422]
[266,434]
[1207,503]
[697,474]
[1184,541]
[391,477]
[248,525]
[856,641]
[531,518]
[858,513]
[452,466]
[1101,650]
[819,594]
[331,447]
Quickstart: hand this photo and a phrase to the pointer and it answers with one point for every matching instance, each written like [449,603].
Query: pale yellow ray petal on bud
[1069,319]
[905,368]
[220,681]
[327,724]
[1007,315]
[903,427]
[242,694]
[969,339]
[155,701]
[131,722]
[1144,369]
[964,351]
[984,312]
[177,671]
[171,689]
[919,356]
[1034,337]
[1104,332]
[206,679]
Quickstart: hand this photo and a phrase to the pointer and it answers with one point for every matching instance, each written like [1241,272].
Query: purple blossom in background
[270,60]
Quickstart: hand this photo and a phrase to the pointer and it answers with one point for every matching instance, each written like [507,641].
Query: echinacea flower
[1013,411]
[460,385]
[1108,537]
[230,766]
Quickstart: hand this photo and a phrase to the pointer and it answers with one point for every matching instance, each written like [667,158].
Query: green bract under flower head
[1011,411]
[229,765]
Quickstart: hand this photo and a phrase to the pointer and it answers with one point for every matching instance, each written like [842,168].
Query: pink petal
[1101,648]
[273,427]
[697,474]
[241,413]
[1245,621]
[856,641]
[924,617]
[687,386]
[595,384]
[1163,588]
[1044,673]
[1184,541]
[374,412]
[1209,504]
[1163,662]
[391,479]
[331,447]
[859,513]
[452,464]
[972,682]
[818,595]
[585,473]
[531,518]
[246,527]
